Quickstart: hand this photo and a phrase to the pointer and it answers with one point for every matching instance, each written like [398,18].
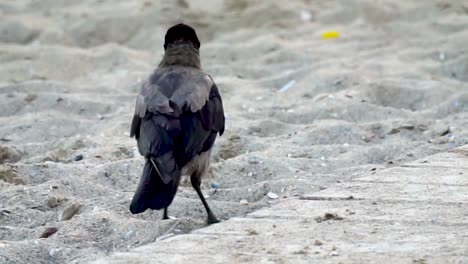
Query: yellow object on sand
[330,34]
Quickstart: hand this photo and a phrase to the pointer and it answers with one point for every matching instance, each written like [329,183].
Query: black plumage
[178,115]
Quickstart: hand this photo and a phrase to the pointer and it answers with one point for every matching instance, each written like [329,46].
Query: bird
[178,116]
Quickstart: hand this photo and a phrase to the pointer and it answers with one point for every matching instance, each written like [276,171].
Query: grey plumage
[178,114]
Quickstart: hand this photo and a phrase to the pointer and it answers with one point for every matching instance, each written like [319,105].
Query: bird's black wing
[200,128]
[183,102]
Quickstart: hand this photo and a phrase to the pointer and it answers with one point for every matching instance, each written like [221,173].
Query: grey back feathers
[171,90]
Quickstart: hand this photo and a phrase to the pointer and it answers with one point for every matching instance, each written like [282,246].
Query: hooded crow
[178,115]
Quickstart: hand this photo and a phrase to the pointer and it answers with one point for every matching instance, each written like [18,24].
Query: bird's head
[181,33]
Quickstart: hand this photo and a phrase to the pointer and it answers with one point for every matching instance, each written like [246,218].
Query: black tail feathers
[154,191]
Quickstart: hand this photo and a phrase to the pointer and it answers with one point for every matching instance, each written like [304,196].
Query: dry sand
[391,89]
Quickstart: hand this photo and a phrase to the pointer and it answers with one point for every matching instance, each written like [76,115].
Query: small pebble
[52,202]
[451,137]
[253,161]
[30,97]
[48,232]
[215,185]
[318,243]
[366,139]
[5,212]
[47,163]
[78,157]
[243,202]
[334,254]
[327,217]
[100,117]
[252,232]
[70,211]
[442,56]
[272,195]
[250,174]
[54,251]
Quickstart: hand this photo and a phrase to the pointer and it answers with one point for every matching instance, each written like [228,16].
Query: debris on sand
[243,202]
[306,16]
[272,195]
[327,217]
[330,34]
[287,86]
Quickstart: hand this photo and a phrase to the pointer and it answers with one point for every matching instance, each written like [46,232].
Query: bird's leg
[196,182]
[165,216]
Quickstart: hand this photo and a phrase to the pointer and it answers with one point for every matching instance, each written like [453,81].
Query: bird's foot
[165,215]
[212,219]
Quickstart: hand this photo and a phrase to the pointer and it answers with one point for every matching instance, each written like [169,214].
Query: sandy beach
[302,112]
